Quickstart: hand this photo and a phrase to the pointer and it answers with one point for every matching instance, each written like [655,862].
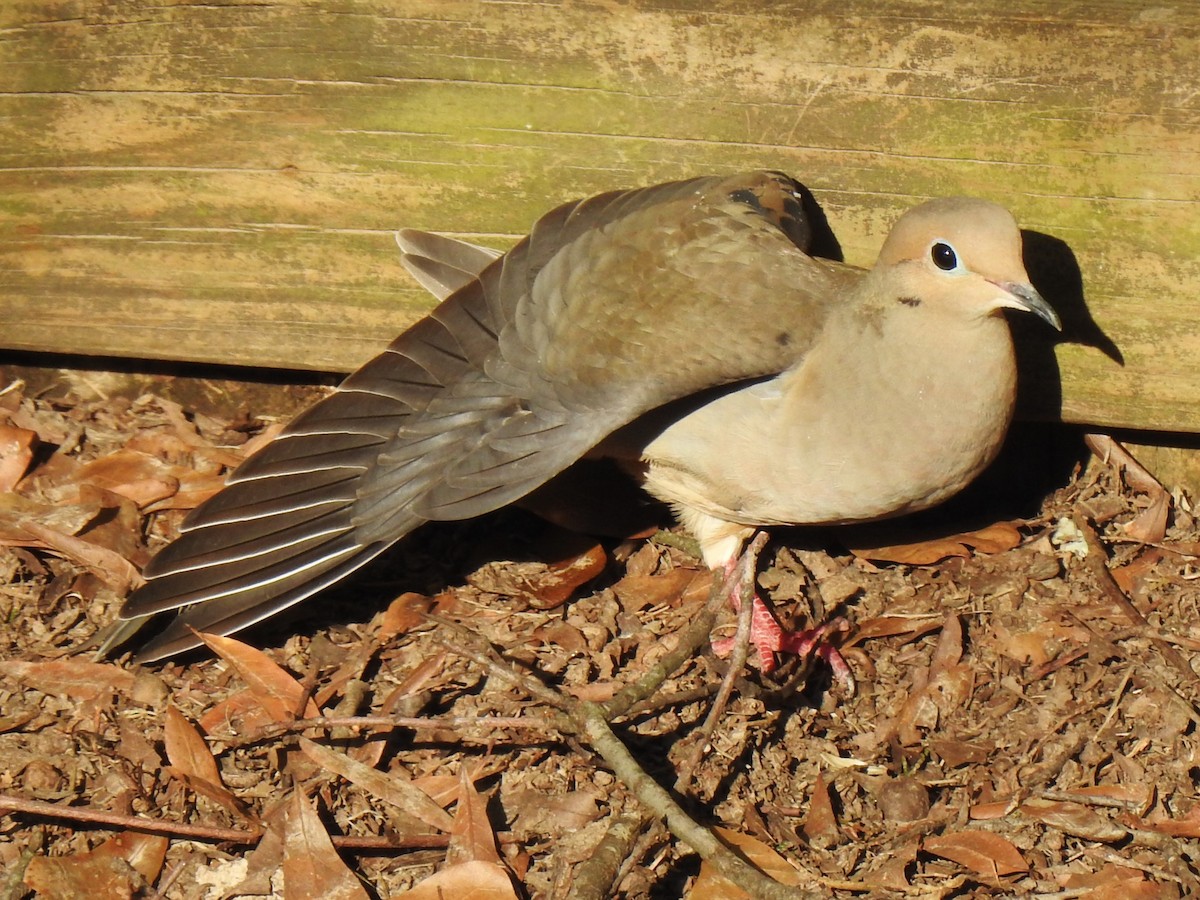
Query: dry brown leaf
[537,812]
[1075,819]
[16,510]
[16,452]
[956,753]
[820,825]
[281,695]
[311,865]
[710,885]
[138,476]
[473,880]
[75,678]
[186,749]
[1150,526]
[193,762]
[236,714]
[1136,797]
[980,851]
[639,592]
[1185,827]
[1115,882]
[562,579]
[910,627]
[993,539]
[110,872]
[390,788]
[404,614]
[111,568]
[471,836]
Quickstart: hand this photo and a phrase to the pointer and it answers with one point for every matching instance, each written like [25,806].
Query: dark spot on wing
[777,199]
[911,301]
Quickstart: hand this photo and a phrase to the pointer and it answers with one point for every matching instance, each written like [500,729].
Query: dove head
[962,257]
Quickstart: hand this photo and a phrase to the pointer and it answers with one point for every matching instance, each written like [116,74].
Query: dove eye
[943,256]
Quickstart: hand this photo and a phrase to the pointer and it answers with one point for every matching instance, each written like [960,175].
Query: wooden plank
[219,182]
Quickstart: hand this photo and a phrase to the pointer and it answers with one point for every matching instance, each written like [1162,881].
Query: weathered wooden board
[219,182]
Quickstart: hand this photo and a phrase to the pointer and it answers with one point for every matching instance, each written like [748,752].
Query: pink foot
[769,638]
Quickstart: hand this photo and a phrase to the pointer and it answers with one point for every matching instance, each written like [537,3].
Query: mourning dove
[680,329]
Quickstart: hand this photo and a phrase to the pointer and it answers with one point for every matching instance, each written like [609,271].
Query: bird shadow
[1055,272]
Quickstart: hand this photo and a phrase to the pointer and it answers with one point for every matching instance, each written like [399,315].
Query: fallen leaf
[388,787]
[820,825]
[1114,882]
[710,885]
[639,592]
[955,753]
[1150,525]
[1074,819]
[1185,826]
[112,871]
[311,865]
[980,851]
[74,678]
[138,476]
[16,452]
[563,578]
[471,836]
[111,568]
[404,614]
[193,762]
[993,539]
[474,880]
[281,695]
[910,627]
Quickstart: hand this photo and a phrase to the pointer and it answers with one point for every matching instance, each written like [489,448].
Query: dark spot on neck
[783,338]
[911,301]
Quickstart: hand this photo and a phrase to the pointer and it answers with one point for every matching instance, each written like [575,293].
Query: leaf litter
[1026,720]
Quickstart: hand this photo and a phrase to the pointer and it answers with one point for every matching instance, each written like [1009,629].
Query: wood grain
[220,182]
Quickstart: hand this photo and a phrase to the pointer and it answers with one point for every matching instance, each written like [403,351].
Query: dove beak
[1026,298]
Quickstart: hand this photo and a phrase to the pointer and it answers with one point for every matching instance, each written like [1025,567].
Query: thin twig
[276,729]
[743,578]
[594,727]
[10,804]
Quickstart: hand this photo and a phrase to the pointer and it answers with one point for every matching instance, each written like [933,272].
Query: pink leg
[769,637]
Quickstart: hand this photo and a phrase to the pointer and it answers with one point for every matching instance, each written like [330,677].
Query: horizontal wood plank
[220,182]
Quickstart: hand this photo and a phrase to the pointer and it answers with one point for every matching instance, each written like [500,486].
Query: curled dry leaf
[820,825]
[111,568]
[1075,819]
[639,592]
[1150,526]
[138,476]
[992,539]
[388,787]
[472,880]
[281,695]
[112,870]
[311,865]
[16,452]
[712,886]
[74,678]
[471,836]
[193,763]
[980,851]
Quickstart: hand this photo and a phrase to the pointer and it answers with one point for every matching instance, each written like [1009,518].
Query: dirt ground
[1024,723]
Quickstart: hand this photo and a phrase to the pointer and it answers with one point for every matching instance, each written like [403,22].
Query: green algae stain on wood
[219,182]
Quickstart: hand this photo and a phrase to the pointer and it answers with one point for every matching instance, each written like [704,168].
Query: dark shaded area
[214,389]
[1055,272]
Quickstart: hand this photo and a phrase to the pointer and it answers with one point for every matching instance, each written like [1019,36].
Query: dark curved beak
[1027,298]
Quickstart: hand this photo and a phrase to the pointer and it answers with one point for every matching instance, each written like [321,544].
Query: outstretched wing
[612,306]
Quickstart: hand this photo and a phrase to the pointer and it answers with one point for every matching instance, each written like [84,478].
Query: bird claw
[770,638]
